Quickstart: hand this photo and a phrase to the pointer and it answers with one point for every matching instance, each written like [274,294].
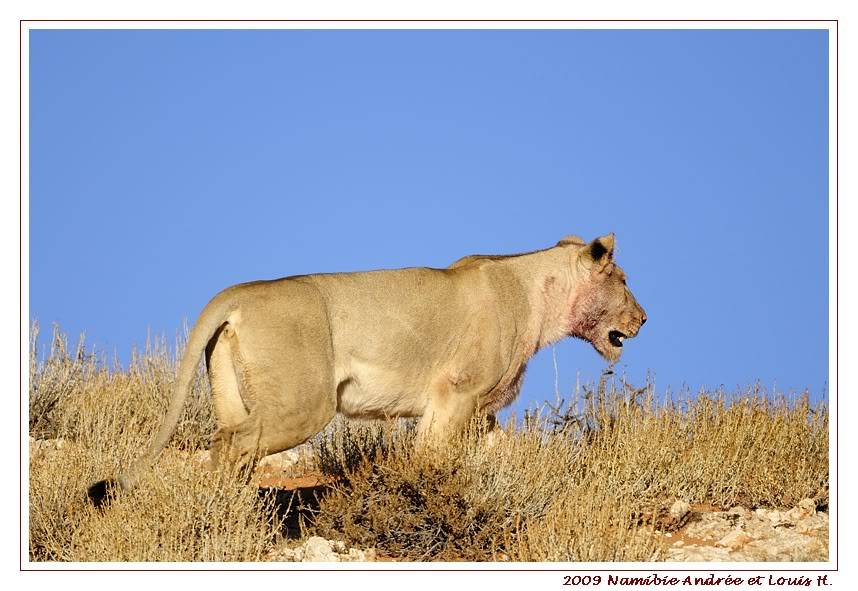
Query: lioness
[284,356]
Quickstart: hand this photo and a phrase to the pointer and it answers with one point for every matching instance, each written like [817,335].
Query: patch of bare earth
[298,488]
[298,491]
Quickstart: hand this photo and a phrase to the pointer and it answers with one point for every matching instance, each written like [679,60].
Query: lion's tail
[211,318]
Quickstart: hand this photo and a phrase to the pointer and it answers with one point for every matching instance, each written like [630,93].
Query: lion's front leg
[453,402]
[494,434]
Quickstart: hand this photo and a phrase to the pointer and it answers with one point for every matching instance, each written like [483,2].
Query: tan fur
[284,356]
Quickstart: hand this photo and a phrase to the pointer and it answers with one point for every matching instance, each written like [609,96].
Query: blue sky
[167,165]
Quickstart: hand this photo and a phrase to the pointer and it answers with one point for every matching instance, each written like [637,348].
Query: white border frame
[630,568]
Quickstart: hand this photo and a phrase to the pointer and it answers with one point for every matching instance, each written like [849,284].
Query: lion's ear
[600,252]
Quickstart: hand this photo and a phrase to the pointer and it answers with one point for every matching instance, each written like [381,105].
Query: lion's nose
[643,318]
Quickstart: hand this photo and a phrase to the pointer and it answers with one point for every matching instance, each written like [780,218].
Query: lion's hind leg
[233,442]
[238,447]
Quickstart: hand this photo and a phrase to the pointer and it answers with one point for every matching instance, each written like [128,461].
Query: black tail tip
[102,492]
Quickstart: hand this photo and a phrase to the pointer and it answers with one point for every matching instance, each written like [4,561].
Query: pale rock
[202,458]
[811,524]
[679,510]
[805,508]
[355,555]
[798,534]
[279,461]
[739,511]
[698,554]
[48,447]
[734,540]
[711,526]
[318,549]
[291,555]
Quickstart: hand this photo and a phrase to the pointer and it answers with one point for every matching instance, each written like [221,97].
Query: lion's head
[603,310]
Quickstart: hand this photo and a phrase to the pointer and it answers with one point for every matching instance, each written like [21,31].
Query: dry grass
[104,418]
[579,481]
[573,486]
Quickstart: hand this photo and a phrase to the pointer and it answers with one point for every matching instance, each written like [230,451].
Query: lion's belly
[372,393]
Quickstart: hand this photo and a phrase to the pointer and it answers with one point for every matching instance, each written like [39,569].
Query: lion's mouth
[616,338]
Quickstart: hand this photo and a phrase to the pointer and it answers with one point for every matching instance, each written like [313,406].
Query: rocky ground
[736,535]
[739,534]
[316,549]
